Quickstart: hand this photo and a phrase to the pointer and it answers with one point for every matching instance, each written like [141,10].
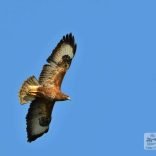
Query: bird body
[44,92]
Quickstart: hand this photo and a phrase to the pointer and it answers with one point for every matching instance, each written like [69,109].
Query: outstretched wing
[59,62]
[38,118]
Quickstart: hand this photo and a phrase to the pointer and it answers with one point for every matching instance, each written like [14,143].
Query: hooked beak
[68,98]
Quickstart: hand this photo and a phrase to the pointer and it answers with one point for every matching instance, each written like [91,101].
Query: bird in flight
[44,92]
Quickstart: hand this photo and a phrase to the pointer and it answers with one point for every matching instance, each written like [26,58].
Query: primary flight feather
[43,93]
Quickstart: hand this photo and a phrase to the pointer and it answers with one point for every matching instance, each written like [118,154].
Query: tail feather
[24,95]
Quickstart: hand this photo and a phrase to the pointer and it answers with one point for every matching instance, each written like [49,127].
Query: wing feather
[66,46]
[48,73]
[59,62]
[38,118]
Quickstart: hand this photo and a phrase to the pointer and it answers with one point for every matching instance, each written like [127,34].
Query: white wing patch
[65,49]
[37,128]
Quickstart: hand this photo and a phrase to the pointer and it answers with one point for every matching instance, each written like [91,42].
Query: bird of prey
[44,92]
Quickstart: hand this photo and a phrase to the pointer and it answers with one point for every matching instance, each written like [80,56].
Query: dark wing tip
[68,39]
[34,137]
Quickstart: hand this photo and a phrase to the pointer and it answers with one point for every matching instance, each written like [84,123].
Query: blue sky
[112,80]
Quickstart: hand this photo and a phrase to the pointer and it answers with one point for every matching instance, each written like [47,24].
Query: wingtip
[34,137]
[66,39]
[70,39]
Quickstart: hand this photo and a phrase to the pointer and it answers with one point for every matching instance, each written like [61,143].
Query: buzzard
[44,92]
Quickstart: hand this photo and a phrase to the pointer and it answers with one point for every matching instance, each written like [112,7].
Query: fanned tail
[30,84]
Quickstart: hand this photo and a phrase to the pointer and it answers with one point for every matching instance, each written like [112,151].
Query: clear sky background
[112,79]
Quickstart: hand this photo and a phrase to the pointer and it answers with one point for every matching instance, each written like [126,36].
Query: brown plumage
[43,93]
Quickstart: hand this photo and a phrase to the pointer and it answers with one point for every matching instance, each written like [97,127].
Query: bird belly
[47,93]
[50,93]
